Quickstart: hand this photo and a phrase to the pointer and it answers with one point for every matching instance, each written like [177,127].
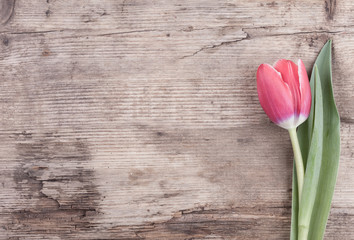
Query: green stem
[303,232]
[298,160]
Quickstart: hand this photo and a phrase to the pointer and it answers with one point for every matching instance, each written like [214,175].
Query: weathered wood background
[128,119]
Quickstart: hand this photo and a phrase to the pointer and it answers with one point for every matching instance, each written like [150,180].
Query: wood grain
[140,119]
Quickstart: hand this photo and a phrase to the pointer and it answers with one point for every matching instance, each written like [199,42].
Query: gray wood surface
[126,119]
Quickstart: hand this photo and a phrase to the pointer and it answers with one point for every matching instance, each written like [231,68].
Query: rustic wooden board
[140,119]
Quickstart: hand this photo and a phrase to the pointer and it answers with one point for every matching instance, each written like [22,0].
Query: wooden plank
[140,119]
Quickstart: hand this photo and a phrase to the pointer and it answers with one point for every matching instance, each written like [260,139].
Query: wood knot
[330,7]
[48,13]
[5,41]
[7,8]
[46,53]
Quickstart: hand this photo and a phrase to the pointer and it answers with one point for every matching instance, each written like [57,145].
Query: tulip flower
[284,92]
[285,95]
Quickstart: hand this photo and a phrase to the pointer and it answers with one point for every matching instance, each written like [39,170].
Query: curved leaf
[330,153]
[331,147]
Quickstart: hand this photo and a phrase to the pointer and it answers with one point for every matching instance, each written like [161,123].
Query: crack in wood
[62,195]
[291,33]
[248,36]
[129,32]
[34,32]
[216,46]
[347,120]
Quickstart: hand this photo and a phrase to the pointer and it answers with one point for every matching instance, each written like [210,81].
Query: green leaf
[331,148]
[314,158]
[328,167]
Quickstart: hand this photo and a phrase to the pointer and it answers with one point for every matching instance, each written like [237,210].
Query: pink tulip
[284,92]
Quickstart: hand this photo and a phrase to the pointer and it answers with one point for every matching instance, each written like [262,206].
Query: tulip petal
[305,91]
[274,95]
[289,72]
